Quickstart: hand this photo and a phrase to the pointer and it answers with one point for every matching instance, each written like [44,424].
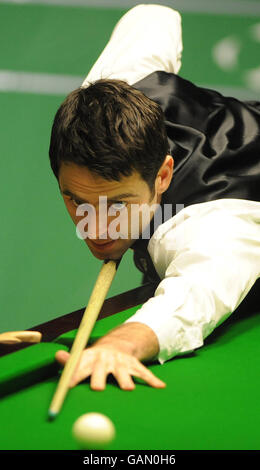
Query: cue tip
[52,415]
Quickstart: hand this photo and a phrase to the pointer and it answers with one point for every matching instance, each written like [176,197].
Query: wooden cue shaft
[101,287]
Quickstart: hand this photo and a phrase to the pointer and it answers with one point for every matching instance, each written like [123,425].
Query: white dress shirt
[208,255]
[146,39]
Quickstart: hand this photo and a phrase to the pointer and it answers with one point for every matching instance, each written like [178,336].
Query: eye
[118,205]
[75,202]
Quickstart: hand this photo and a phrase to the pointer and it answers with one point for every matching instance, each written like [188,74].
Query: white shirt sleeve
[146,39]
[208,257]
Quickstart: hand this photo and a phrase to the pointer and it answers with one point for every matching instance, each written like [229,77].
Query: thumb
[62,356]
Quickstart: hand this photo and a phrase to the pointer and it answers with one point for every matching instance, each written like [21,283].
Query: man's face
[79,186]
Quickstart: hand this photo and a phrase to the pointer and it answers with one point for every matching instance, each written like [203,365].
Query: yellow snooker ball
[93,431]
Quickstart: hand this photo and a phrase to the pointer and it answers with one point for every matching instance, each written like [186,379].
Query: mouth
[102,246]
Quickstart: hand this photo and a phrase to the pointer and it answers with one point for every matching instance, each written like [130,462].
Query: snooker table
[211,400]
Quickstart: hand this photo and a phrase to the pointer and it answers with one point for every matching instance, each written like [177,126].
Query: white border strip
[53,84]
[40,83]
[239,93]
[233,7]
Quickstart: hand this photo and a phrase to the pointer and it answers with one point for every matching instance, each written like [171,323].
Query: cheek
[72,212]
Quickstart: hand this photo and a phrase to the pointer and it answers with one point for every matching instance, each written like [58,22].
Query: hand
[101,360]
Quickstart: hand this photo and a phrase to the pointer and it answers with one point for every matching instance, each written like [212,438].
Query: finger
[79,376]
[83,370]
[62,357]
[99,376]
[145,374]
[124,379]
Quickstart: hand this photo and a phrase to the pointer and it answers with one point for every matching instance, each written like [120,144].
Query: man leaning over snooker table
[137,133]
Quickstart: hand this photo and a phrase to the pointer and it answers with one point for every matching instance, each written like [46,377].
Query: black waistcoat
[215,143]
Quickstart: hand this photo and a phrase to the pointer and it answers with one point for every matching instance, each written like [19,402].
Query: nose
[97,229]
[101,227]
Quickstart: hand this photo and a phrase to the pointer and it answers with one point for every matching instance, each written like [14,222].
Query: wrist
[115,340]
[136,339]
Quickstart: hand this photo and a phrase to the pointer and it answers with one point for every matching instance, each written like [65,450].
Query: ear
[164,175]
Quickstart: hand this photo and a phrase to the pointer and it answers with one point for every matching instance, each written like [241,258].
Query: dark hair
[111,128]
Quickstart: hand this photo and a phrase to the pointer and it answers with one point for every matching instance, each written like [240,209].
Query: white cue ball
[93,430]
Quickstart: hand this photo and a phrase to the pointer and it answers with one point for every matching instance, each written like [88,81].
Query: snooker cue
[101,287]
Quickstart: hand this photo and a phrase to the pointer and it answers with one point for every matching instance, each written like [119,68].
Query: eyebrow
[115,198]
